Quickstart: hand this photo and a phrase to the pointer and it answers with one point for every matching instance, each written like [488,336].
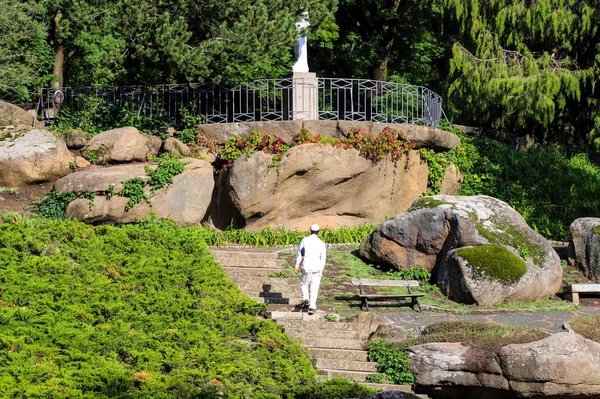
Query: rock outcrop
[175,147]
[584,248]
[125,144]
[421,136]
[31,156]
[560,366]
[322,184]
[479,249]
[185,201]
[11,115]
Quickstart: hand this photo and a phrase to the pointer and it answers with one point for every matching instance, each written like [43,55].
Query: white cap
[315,227]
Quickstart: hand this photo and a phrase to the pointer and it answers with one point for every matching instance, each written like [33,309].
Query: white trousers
[309,285]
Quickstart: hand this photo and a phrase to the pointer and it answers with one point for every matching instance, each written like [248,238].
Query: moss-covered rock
[493,262]
[506,259]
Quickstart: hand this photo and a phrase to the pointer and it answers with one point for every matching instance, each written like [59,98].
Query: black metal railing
[257,100]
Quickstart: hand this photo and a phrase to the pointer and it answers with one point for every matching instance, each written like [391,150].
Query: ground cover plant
[137,311]
[588,326]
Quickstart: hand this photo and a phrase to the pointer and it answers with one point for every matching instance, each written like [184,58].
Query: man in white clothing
[311,252]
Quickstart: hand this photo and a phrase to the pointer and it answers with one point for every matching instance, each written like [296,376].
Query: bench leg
[367,304]
[573,297]
[415,300]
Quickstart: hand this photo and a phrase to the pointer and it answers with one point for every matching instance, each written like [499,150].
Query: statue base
[305,96]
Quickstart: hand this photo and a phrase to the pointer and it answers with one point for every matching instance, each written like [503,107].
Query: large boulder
[11,115]
[560,366]
[125,144]
[31,156]
[221,132]
[584,248]
[479,249]
[98,180]
[421,136]
[316,183]
[185,201]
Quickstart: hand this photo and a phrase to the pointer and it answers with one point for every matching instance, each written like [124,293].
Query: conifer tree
[529,66]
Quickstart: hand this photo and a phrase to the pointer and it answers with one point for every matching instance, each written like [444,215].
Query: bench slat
[583,288]
[372,296]
[385,283]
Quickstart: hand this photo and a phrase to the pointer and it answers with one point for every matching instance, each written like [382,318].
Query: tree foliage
[25,56]
[142,41]
[526,66]
[392,39]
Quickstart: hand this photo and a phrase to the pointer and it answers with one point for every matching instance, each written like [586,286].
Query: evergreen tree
[25,56]
[106,42]
[529,67]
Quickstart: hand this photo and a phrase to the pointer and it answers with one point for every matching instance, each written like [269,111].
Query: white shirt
[312,249]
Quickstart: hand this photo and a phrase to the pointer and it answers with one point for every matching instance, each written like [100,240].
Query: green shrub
[336,388]
[137,311]
[547,187]
[393,362]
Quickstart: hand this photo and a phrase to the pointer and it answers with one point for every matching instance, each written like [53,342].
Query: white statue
[301,64]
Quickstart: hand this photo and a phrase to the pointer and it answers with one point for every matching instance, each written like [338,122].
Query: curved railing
[257,100]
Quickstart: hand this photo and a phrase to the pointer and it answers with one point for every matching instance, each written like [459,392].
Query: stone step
[250,254]
[325,326]
[309,332]
[274,294]
[259,272]
[243,281]
[281,313]
[339,354]
[349,365]
[356,376]
[249,262]
[257,289]
[391,387]
[333,343]
[278,301]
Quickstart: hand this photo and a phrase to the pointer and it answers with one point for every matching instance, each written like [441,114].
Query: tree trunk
[400,7]
[59,58]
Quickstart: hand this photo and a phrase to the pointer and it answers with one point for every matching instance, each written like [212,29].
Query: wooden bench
[572,291]
[361,282]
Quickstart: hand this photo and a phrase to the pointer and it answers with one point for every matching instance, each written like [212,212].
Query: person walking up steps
[311,252]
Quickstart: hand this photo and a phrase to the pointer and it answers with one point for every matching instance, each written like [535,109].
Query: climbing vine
[437,164]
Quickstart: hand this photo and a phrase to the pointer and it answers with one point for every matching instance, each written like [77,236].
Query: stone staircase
[337,348]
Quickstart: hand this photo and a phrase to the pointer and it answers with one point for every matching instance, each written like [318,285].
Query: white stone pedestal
[305,96]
